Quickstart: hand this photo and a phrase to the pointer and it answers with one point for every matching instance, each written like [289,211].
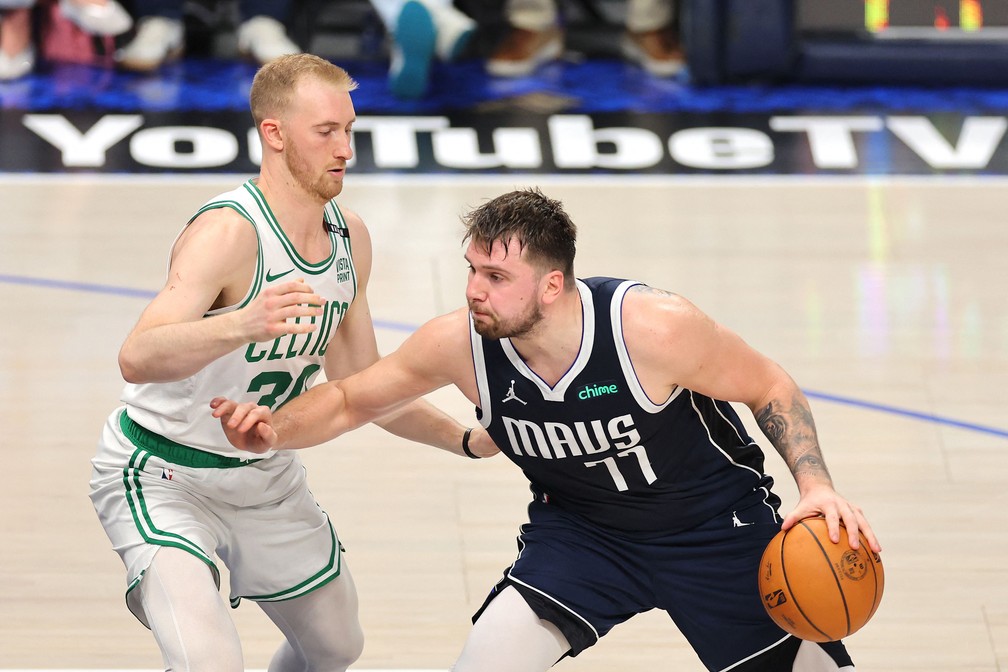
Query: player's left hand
[823,500]
[481,444]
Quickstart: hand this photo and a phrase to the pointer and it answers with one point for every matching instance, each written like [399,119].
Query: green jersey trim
[314,582]
[173,452]
[299,261]
[340,223]
[257,278]
[141,516]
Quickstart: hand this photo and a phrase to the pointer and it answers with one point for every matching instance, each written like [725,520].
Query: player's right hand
[247,426]
[288,308]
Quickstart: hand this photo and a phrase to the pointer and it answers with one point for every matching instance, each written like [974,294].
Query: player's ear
[552,286]
[269,131]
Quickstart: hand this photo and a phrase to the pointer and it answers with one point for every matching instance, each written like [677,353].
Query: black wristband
[465,444]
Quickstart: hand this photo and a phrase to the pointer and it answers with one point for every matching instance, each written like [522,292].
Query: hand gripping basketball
[818,590]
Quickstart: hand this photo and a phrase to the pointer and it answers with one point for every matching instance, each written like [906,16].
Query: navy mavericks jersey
[596,445]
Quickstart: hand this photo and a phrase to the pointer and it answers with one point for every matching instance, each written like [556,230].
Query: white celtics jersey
[269,373]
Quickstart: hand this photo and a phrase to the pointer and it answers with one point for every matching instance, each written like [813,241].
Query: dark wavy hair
[543,229]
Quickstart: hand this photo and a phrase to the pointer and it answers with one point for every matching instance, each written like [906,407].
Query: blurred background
[572,86]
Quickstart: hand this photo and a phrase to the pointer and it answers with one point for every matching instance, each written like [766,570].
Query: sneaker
[158,39]
[264,39]
[655,50]
[454,30]
[105,18]
[15,66]
[522,51]
[414,42]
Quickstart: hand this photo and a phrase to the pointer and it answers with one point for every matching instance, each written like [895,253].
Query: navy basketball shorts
[585,579]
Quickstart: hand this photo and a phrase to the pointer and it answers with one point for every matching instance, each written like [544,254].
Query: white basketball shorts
[257,516]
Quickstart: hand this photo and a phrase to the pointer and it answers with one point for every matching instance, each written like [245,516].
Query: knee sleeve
[812,657]
[322,628]
[187,615]
[509,637]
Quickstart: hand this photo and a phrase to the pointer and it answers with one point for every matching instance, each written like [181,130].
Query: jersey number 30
[279,382]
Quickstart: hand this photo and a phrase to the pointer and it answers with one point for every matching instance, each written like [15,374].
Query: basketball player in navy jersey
[613,398]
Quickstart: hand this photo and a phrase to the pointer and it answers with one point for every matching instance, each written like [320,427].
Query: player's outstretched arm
[313,417]
[423,363]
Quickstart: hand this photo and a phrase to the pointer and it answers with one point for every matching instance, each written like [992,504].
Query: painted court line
[131,292]
[908,413]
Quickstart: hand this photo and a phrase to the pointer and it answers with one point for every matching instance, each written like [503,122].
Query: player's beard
[320,186]
[514,328]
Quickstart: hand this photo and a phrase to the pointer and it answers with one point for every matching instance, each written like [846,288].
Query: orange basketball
[818,590]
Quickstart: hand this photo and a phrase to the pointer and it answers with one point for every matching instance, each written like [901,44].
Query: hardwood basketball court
[884,298]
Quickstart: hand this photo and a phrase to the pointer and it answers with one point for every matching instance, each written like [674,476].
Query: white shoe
[656,51]
[18,65]
[264,39]
[108,18]
[158,39]
[522,51]
[454,29]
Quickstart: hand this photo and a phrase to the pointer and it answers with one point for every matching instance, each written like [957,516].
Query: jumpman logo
[736,522]
[511,395]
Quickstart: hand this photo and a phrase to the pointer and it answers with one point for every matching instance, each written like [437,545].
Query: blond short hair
[275,82]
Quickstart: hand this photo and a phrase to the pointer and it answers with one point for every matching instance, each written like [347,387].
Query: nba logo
[774,599]
[167,474]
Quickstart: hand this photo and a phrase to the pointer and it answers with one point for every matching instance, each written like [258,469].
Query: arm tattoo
[646,289]
[792,432]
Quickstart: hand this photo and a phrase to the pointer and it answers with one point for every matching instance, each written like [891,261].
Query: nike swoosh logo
[270,277]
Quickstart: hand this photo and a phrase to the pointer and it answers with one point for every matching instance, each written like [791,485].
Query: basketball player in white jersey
[264,283]
[614,399]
